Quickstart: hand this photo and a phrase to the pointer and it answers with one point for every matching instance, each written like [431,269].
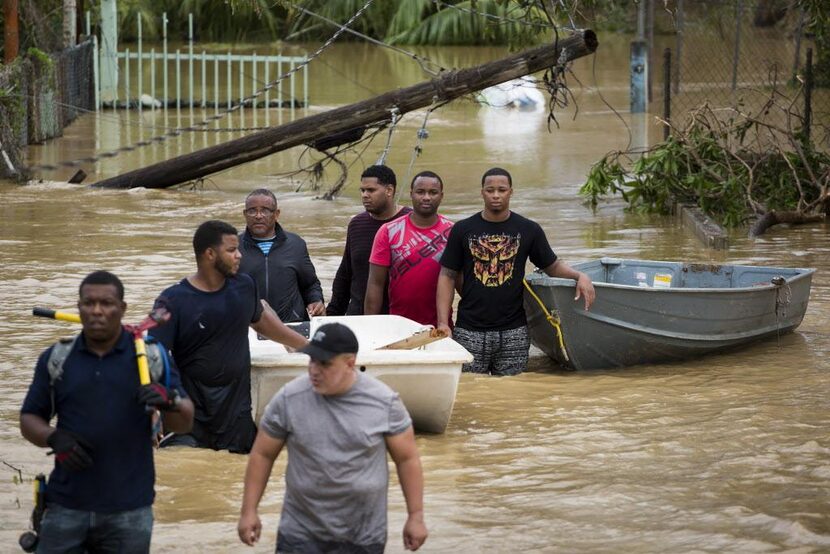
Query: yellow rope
[553,320]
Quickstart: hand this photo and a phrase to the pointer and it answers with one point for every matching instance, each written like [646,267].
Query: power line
[498,18]
[422,60]
[179,130]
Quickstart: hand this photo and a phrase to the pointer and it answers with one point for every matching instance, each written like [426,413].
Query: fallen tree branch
[774,218]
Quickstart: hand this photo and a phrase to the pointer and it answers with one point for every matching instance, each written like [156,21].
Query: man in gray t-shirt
[338,425]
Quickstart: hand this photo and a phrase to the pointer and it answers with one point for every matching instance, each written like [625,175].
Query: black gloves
[71,451]
[158,397]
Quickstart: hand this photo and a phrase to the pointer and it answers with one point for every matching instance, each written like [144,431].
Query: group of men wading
[337,423]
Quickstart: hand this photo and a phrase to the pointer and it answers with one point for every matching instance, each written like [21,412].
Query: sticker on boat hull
[662,281]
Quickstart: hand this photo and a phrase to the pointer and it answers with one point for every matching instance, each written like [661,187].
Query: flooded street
[729,453]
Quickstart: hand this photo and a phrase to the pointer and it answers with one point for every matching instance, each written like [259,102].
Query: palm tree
[433,22]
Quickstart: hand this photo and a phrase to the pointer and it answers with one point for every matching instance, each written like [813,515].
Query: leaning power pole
[447,86]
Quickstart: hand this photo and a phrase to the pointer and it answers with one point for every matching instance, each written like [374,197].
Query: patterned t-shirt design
[494,257]
[424,244]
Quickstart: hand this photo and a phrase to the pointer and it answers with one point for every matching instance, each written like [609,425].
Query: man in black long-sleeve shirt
[377,191]
[278,261]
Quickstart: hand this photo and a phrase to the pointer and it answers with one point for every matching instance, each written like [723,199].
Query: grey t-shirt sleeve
[275,418]
[399,420]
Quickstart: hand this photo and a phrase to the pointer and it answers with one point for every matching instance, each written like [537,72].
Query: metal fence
[167,78]
[731,53]
[43,94]
[59,88]
[75,81]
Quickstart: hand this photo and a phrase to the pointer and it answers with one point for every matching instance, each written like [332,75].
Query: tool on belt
[28,540]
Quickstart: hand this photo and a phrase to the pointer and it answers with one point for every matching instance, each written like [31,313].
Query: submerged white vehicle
[522,93]
[426,377]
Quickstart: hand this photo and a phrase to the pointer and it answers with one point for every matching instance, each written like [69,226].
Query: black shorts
[290,545]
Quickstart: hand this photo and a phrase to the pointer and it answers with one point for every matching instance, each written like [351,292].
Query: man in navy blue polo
[100,494]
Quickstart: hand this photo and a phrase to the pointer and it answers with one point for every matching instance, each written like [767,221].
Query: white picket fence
[217,81]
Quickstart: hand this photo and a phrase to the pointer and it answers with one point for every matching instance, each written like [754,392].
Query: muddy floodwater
[729,453]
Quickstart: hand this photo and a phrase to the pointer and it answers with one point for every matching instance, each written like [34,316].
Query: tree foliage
[735,169]
[469,22]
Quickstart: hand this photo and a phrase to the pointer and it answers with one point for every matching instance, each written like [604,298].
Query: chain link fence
[40,94]
[76,81]
[731,54]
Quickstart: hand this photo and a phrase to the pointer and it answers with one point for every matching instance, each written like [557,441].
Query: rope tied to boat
[552,319]
[781,302]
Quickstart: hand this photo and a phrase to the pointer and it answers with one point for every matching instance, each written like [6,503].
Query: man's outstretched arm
[271,326]
[584,286]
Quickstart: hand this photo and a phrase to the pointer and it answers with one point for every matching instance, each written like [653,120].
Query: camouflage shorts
[495,352]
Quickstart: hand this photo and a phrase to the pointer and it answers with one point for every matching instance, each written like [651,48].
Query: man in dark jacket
[278,261]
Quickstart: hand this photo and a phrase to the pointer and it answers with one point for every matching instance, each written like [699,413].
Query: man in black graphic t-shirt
[491,249]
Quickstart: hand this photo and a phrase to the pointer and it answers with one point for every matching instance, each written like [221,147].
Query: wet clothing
[290,545]
[495,352]
[337,477]
[208,336]
[282,271]
[63,530]
[97,399]
[349,287]
[412,254]
[492,258]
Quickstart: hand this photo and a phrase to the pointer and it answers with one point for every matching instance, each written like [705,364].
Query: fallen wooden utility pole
[447,86]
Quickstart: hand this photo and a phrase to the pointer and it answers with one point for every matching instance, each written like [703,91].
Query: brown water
[726,453]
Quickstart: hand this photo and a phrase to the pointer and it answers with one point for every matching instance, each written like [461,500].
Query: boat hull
[695,310]
[425,378]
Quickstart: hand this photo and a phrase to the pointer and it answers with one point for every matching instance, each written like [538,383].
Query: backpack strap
[54,365]
[157,361]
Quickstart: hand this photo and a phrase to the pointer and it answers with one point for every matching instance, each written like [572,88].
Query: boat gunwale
[454,356]
[284,361]
[539,278]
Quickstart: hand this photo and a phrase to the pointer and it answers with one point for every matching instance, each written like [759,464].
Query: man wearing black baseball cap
[338,425]
[331,341]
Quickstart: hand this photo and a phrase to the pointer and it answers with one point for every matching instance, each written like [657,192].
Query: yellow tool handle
[52,314]
[141,359]
[140,350]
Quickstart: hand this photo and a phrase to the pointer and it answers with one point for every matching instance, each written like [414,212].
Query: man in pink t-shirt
[408,250]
